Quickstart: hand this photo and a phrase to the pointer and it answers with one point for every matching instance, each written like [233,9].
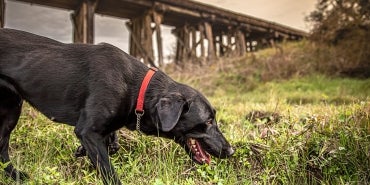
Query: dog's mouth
[199,154]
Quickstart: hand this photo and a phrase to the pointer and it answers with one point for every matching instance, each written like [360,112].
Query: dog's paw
[80,152]
[113,148]
[18,175]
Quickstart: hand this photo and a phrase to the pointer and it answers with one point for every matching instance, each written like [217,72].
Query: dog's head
[189,118]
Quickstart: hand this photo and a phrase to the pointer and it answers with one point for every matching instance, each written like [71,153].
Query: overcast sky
[56,24]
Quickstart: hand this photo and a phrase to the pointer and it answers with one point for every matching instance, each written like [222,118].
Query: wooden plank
[147,40]
[184,12]
[2,13]
[141,41]
[183,43]
[91,7]
[83,22]
[133,38]
[220,45]
[209,36]
[186,40]
[179,34]
[230,35]
[158,20]
[193,52]
[201,40]
[241,44]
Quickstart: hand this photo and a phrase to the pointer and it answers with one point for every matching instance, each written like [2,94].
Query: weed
[322,135]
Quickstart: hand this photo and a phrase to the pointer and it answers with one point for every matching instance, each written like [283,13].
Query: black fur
[94,88]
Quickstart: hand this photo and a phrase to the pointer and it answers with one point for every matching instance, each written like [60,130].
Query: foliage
[344,27]
[321,136]
[333,18]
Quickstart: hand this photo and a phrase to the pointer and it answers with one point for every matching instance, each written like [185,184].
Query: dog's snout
[230,151]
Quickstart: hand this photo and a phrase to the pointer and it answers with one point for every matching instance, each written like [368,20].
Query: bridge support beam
[211,43]
[231,43]
[194,44]
[182,44]
[83,22]
[141,41]
[158,18]
[190,38]
[240,42]
[201,41]
[249,46]
[220,45]
[2,13]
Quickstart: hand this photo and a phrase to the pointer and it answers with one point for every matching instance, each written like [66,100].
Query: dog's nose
[230,151]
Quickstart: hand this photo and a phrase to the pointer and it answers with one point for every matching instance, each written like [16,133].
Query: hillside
[289,123]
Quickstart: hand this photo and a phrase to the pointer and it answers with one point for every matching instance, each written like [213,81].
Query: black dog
[95,88]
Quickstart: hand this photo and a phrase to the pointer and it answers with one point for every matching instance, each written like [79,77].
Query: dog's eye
[209,122]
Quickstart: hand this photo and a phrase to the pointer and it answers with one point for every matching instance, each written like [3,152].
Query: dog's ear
[169,110]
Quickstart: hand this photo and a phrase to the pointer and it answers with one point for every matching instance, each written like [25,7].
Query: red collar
[144,85]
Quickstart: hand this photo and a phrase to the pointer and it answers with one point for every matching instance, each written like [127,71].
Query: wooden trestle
[203,32]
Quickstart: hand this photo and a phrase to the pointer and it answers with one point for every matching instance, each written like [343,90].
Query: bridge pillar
[230,44]
[220,47]
[182,43]
[187,43]
[141,41]
[225,42]
[2,13]
[209,37]
[193,40]
[158,18]
[249,46]
[240,43]
[83,22]
[201,41]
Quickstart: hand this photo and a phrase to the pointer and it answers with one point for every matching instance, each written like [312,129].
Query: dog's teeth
[192,141]
[194,146]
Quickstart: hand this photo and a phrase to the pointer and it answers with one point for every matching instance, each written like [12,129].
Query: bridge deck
[202,31]
[177,11]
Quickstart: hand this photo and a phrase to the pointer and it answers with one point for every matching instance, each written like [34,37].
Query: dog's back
[15,46]
[15,40]
[47,72]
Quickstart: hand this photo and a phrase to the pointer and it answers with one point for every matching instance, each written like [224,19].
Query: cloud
[287,12]
[52,23]
[111,30]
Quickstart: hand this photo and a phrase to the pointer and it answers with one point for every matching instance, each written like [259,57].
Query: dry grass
[322,135]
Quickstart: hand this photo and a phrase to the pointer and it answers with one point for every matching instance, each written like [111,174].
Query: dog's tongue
[199,154]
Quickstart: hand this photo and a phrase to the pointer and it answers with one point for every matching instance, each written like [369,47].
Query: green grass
[322,137]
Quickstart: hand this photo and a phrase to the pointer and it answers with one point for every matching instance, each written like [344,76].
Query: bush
[341,30]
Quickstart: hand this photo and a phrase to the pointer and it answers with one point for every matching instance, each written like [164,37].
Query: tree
[344,25]
[332,19]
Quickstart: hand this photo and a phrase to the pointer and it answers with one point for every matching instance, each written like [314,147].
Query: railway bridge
[203,32]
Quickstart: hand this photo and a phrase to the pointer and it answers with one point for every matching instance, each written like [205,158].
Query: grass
[321,137]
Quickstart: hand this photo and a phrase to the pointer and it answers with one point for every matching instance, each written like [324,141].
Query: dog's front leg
[94,144]
[111,142]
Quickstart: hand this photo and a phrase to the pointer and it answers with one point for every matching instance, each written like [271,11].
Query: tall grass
[322,135]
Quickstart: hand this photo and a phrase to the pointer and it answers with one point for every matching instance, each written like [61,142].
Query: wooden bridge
[203,31]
